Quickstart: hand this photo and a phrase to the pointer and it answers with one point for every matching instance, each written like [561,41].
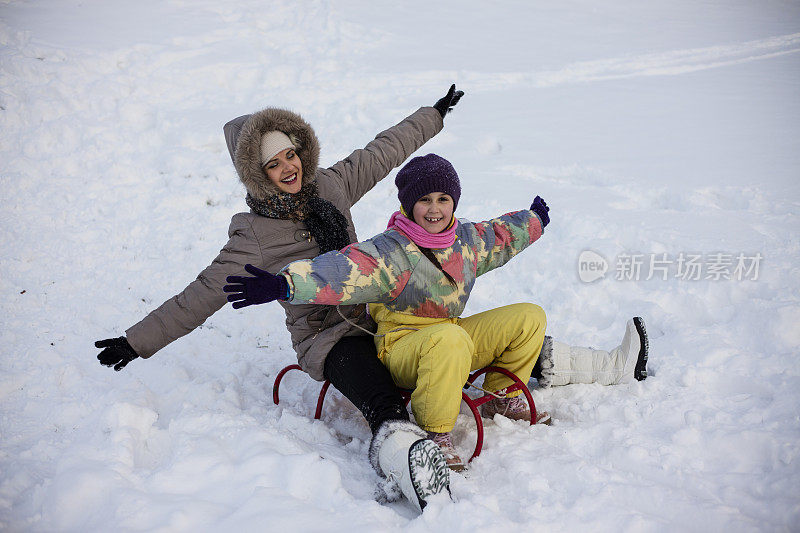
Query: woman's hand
[117,352]
[540,208]
[262,288]
[446,103]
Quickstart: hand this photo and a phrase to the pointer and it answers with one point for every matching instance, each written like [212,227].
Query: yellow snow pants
[436,359]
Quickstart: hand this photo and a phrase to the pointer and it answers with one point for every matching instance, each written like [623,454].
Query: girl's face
[433,212]
[286,171]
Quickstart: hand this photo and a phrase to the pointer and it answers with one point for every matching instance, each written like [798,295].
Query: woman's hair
[295,141]
[432,258]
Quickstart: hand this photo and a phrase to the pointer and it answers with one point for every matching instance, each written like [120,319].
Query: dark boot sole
[429,472]
[640,372]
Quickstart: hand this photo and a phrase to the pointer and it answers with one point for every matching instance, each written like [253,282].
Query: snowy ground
[651,128]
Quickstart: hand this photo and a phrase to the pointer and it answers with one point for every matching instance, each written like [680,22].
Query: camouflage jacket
[391,270]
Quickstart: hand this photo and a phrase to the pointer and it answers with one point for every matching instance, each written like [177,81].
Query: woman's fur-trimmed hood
[243,136]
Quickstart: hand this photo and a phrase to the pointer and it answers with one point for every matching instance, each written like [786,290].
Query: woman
[299,211]
[418,275]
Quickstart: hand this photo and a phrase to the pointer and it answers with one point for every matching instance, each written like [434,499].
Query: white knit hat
[272,143]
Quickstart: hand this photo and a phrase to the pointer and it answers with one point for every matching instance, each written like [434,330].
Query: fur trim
[388,491]
[547,364]
[387,428]
[247,158]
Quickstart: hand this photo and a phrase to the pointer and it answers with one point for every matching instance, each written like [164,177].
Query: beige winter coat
[270,243]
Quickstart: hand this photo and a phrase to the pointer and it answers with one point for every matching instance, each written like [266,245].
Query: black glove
[263,288]
[117,353]
[445,105]
[540,208]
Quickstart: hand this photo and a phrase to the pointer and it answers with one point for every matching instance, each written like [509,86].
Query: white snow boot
[401,452]
[563,364]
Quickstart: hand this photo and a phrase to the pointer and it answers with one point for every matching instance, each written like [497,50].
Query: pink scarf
[419,235]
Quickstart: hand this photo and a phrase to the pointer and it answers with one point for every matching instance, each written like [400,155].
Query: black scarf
[326,224]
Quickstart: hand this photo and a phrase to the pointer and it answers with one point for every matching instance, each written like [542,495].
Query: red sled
[472,403]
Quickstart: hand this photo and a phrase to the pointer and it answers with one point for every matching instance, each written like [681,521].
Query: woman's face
[434,212]
[286,171]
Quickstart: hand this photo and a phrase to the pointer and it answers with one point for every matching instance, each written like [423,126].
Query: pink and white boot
[515,408]
[445,443]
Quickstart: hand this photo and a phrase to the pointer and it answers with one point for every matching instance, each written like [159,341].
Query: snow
[652,128]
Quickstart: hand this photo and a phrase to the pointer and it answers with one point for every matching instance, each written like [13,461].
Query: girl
[417,276]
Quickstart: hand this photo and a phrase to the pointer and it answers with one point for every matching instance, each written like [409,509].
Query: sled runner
[472,403]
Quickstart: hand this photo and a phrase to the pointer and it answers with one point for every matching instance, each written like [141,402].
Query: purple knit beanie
[424,175]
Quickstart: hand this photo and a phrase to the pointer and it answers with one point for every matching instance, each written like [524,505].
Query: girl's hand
[540,208]
[262,288]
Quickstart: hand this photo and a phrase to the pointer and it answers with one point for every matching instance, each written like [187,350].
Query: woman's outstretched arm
[202,298]
[364,168]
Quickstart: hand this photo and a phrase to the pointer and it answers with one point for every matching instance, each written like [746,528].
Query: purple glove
[445,104]
[540,208]
[263,288]
[117,352]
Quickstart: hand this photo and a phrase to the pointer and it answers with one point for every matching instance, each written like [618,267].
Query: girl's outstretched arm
[376,270]
[503,237]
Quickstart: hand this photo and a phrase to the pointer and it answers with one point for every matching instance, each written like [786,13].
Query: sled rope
[368,331]
[471,384]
